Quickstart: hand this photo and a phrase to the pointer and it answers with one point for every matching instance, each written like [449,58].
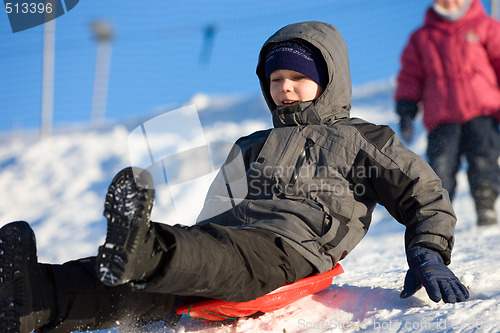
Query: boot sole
[485,223]
[487,218]
[18,246]
[128,210]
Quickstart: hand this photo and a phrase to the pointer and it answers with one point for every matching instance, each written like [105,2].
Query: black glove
[406,128]
[428,269]
[407,111]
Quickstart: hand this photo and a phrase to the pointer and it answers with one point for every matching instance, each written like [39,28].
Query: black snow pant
[209,261]
[84,303]
[478,141]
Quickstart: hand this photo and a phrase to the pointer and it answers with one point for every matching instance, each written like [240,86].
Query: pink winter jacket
[453,67]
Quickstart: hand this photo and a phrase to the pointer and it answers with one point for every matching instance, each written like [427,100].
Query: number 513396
[28,8]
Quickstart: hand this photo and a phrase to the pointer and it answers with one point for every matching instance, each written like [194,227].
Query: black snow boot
[131,252]
[27,292]
[485,196]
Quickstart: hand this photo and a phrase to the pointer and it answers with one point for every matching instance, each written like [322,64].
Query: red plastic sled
[215,310]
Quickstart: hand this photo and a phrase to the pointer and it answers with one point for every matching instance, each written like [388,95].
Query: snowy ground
[58,185]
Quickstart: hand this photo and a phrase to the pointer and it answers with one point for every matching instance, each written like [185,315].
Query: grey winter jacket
[316,177]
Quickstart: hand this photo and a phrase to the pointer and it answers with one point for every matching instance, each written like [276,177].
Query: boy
[452,65]
[313,183]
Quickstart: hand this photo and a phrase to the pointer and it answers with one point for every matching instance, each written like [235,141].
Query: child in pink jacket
[451,69]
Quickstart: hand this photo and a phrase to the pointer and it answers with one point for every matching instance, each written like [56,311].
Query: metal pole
[494,9]
[103,34]
[49,41]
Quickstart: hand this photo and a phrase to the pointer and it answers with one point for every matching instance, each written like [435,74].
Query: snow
[58,185]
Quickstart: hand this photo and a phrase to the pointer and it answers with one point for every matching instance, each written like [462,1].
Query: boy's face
[451,5]
[288,87]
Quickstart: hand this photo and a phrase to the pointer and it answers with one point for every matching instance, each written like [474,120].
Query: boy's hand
[427,269]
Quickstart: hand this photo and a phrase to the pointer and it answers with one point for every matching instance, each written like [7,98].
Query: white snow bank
[58,185]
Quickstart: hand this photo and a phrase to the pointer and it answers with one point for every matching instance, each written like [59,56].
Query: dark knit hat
[299,56]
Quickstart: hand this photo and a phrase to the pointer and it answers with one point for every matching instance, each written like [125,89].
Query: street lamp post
[495,9]
[103,34]
[49,40]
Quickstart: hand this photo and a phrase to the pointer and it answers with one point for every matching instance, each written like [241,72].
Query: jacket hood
[335,101]
[474,11]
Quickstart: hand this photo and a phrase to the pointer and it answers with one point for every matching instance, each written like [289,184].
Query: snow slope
[58,185]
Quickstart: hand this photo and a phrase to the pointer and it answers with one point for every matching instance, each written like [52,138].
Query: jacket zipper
[304,156]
